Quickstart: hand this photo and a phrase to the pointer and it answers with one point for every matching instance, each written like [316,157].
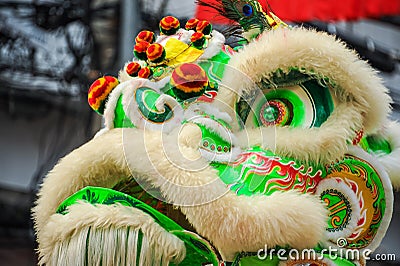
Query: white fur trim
[182,35]
[109,111]
[221,157]
[195,108]
[185,35]
[159,84]
[224,133]
[100,162]
[214,45]
[101,132]
[127,90]
[391,162]
[107,234]
[233,223]
[215,127]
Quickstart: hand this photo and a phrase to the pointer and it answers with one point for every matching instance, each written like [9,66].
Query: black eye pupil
[247,10]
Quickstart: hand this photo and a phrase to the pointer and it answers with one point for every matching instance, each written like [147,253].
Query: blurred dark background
[51,51]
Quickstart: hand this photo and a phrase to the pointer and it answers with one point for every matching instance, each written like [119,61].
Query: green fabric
[323,101]
[222,58]
[338,203]
[198,250]
[253,171]
[120,118]
[212,141]
[215,67]
[146,99]
[98,195]
[373,144]
[150,195]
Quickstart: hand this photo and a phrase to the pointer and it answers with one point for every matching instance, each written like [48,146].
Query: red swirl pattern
[280,176]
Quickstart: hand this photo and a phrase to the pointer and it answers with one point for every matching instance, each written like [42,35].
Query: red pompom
[99,91]
[156,53]
[140,50]
[191,24]
[198,39]
[204,26]
[188,80]
[133,69]
[145,36]
[169,25]
[145,73]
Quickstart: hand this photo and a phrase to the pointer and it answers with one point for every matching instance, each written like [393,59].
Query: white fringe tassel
[106,246]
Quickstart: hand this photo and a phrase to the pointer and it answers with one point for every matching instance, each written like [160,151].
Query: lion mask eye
[302,102]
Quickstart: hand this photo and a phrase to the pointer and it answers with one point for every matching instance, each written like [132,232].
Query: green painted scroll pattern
[259,171]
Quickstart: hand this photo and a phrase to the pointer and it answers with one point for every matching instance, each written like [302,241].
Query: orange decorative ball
[198,39]
[145,73]
[191,24]
[140,50]
[99,92]
[204,26]
[188,80]
[145,36]
[169,25]
[133,69]
[156,53]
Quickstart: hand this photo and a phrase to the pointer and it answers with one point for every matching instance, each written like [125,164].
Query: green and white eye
[306,105]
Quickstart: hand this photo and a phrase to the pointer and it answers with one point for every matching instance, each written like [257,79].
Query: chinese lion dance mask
[210,154]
